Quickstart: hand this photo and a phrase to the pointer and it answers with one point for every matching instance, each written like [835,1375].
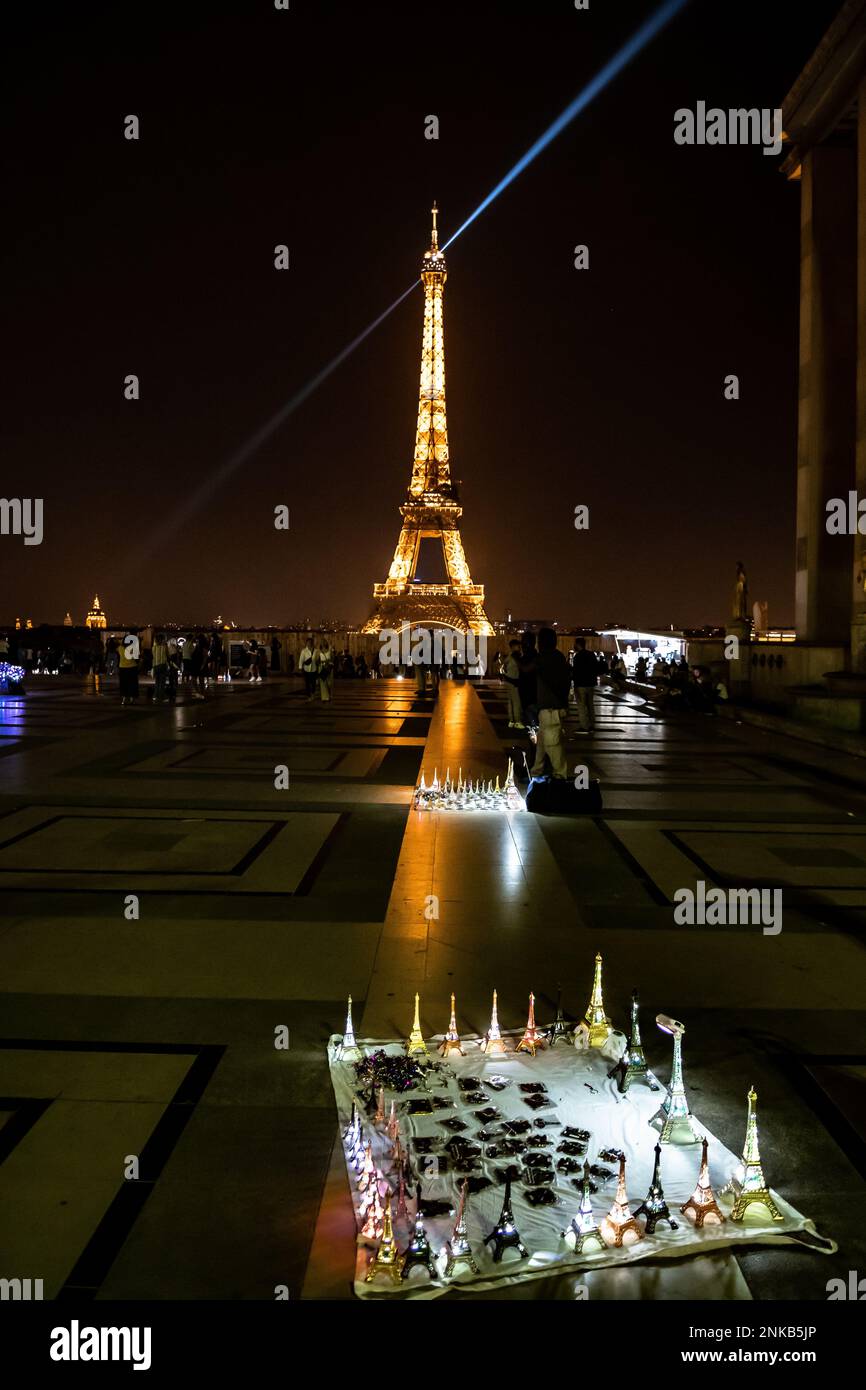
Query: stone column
[826,434]
[858,599]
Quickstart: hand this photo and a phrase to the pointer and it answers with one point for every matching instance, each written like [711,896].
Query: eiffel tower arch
[432,509]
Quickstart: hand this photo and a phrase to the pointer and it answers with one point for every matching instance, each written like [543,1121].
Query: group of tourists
[540,680]
[191,661]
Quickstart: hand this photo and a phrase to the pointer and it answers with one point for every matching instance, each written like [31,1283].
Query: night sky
[602,387]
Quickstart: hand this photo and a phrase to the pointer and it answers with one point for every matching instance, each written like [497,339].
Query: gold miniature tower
[451,1042]
[750,1185]
[702,1205]
[386,1260]
[619,1221]
[433,507]
[531,1039]
[595,1017]
[458,1247]
[415,1045]
[494,1043]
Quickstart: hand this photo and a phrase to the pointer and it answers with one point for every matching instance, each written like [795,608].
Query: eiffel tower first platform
[433,506]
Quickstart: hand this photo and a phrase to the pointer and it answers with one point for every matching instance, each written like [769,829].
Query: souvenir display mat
[579,1095]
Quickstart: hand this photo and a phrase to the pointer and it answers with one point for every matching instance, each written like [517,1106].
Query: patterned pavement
[152,1036]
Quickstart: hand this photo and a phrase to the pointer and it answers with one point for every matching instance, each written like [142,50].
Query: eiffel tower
[433,507]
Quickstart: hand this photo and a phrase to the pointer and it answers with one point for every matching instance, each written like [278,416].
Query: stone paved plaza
[259,908]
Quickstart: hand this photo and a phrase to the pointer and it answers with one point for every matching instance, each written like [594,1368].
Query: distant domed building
[96,617]
[67,621]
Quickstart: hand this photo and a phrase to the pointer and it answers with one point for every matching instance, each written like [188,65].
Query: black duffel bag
[559,796]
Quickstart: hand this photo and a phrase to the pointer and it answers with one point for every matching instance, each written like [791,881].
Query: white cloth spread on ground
[614,1121]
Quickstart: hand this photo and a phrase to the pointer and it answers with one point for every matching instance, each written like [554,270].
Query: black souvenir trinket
[542,1197]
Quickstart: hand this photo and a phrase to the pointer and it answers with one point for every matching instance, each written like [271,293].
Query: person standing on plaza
[215,655]
[584,674]
[325,669]
[511,676]
[553,679]
[198,664]
[159,652]
[526,681]
[186,655]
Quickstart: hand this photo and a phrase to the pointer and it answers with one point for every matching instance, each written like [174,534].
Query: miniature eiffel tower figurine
[393,1126]
[367,1174]
[595,1017]
[505,1235]
[415,1045]
[402,1209]
[419,1251]
[348,1050]
[386,1259]
[458,1247]
[352,1130]
[750,1185]
[560,1031]
[373,1214]
[702,1204]
[633,1062]
[531,1039]
[583,1225]
[493,1043]
[619,1221]
[379,1117]
[654,1207]
[675,1120]
[451,1042]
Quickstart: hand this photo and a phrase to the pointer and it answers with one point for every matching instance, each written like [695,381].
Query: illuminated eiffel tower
[433,508]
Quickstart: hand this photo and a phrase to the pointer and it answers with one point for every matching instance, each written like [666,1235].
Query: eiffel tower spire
[654,1207]
[633,1061]
[459,1250]
[583,1226]
[451,1042]
[505,1235]
[750,1185]
[415,1044]
[619,1222]
[493,1042]
[595,1017]
[531,1039]
[433,507]
[348,1050]
[702,1205]
[674,1119]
